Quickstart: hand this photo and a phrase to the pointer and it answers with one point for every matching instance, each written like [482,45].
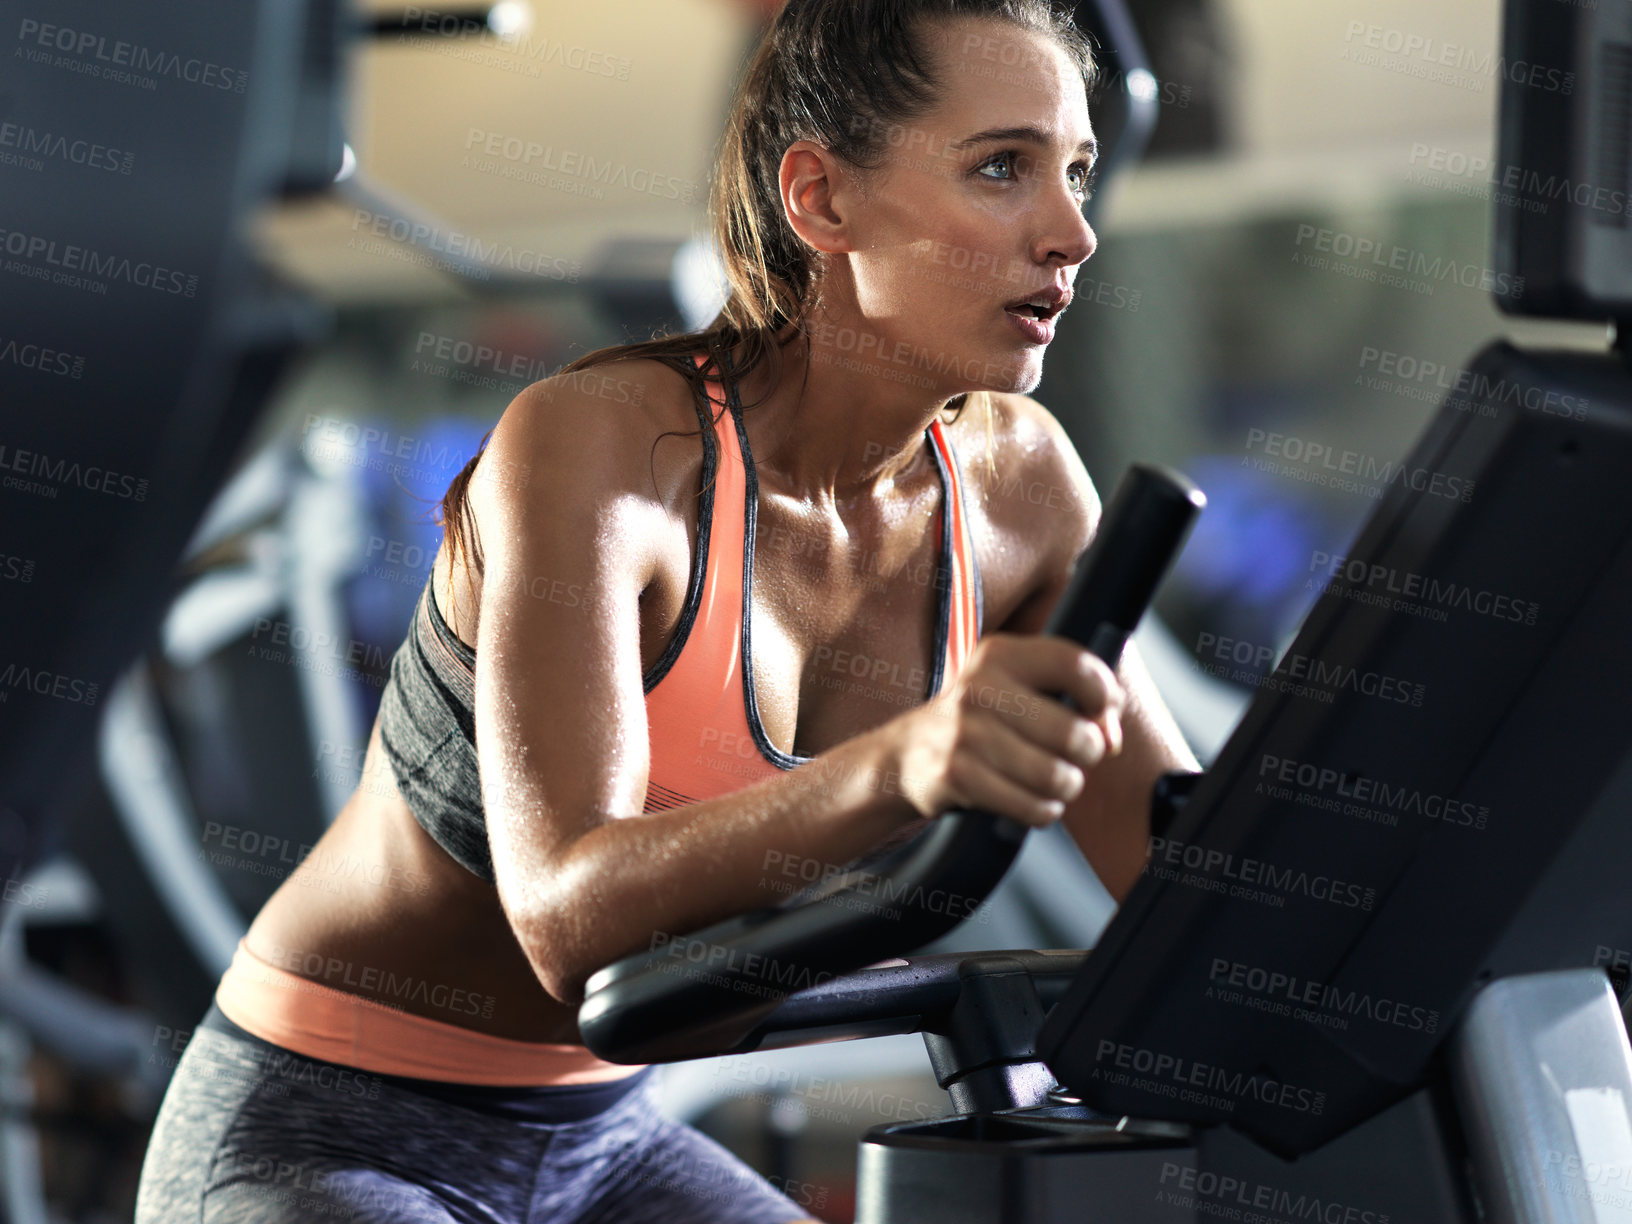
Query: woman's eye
[1004,160]
[1080,176]
[1084,177]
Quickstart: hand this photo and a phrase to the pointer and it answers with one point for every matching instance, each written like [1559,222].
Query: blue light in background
[1251,548]
[408,471]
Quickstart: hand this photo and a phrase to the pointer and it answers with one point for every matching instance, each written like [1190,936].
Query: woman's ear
[817,193]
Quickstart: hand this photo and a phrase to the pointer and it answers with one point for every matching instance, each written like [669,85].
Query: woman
[899,206]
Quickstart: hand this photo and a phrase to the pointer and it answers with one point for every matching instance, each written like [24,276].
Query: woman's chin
[1015,373]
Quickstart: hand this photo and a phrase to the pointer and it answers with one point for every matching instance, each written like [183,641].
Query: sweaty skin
[847,499]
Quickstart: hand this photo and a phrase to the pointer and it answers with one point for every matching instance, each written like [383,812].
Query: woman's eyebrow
[1036,135]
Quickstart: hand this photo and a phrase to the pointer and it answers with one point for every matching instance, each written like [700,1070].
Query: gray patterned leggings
[252,1133]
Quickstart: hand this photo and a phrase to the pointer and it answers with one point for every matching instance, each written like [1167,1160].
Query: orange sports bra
[702,717]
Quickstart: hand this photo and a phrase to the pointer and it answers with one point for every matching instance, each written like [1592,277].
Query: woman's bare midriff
[407,925]
[405,912]
[380,910]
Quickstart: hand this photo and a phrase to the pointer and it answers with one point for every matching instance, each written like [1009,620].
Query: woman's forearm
[1110,819]
[630,884]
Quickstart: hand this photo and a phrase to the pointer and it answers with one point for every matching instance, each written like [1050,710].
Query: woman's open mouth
[1033,317]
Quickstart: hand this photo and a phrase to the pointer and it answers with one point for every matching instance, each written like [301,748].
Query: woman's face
[977,208]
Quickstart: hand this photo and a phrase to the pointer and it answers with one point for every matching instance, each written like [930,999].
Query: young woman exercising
[648,674]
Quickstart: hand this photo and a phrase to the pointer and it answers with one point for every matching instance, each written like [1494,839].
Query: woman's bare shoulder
[604,424]
[1032,504]
[624,395]
[1019,456]
[580,459]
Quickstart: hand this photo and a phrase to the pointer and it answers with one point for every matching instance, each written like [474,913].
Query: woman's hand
[995,742]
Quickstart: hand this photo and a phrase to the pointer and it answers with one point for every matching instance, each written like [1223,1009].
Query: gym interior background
[1285,287]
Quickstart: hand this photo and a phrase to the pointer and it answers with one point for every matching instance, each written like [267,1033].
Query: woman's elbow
[545,941]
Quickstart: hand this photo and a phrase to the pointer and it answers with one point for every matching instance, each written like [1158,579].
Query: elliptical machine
[1410,1010]
[1363,976]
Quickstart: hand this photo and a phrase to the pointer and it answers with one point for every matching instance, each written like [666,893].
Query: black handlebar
[709,993]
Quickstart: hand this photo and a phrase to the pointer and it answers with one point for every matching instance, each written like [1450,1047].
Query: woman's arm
[1110,819]
[561,719]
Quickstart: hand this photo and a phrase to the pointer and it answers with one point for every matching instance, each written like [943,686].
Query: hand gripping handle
[707,993]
